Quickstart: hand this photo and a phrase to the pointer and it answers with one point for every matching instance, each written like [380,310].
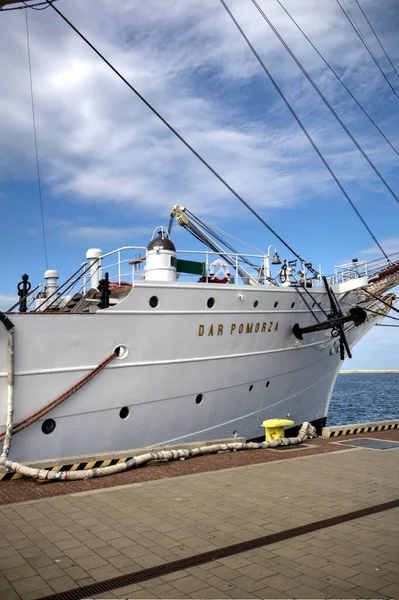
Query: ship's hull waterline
[185,372]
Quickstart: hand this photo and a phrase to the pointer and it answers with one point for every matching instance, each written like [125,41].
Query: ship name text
[237,328]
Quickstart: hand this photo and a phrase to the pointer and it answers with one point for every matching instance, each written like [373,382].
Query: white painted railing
[352,270]
[122,271]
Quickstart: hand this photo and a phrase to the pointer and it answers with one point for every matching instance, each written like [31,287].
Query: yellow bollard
[274,428]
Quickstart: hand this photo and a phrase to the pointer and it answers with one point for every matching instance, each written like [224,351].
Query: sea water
[364,397]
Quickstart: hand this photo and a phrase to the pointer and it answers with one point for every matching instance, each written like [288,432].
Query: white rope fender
[307,431]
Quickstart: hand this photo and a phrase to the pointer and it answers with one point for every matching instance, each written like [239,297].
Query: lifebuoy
[219,267]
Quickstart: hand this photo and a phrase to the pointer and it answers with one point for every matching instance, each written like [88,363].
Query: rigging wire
[338,77]
[177,134]
[36,6]
[367,48]
[232,237]
[390,306]
[358,30]
[228,246]
[377,38]
[307,305]
[375,312]
[39,185]
[326,102]
[315,302]
[40,6]
[302,126]
[211,230]
[363,38]
[207,241]
[210,242]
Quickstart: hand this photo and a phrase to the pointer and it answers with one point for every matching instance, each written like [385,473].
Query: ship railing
[362,268]
[380,264]
[59,298]
[30,299]
[348,271]
[122,270]
[125,265]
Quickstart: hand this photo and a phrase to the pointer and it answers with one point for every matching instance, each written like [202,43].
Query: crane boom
[183,218]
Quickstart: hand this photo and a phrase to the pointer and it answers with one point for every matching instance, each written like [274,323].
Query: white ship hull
[244,361]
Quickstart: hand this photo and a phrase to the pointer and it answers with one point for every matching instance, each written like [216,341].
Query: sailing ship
[150,346]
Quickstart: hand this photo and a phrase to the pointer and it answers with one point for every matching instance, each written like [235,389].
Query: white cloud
[390,245]
[105,234]
[99,143]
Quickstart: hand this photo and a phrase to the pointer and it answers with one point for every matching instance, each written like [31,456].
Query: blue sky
[111,171]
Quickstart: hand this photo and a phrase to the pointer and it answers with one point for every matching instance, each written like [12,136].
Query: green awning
[190,266]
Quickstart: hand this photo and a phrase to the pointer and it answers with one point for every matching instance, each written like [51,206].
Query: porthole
[211,302]
[199,399]
[267,383]
[251,387]
[275,305]
[124,412]
[153,301]
[256,303]
[121,352]
[48,426]
[293,305]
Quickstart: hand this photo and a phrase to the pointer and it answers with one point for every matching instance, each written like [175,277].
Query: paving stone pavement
[61,543]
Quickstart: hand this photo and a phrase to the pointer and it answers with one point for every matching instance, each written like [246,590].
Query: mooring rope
[61,398]
[307,431]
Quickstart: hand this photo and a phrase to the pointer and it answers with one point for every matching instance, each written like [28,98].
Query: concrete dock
[302,524]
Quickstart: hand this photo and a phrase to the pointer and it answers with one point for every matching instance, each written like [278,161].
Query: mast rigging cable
[36,6]
[338,77]
[367,48]
[326,102]
[377,38]
[204,162]
[35,140]
[178,135]
[358,30]
[302,126]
